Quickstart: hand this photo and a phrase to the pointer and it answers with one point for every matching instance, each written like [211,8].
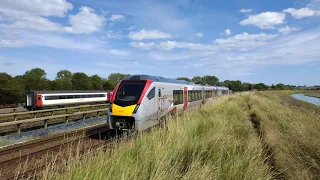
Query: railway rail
[32,151]
[65,118]
[50,112]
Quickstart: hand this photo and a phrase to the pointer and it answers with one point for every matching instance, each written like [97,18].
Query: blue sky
[253,41]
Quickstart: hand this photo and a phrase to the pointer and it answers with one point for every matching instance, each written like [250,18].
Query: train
[139,102]
[38,100]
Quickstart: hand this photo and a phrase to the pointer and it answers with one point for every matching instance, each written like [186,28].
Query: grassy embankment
[317,95]
[218,141]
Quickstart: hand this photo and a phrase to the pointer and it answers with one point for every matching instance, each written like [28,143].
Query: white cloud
[288,29]
[113,35]
[169,45]
[200,35]
[11,43]
[85,21]
[142,45]
[132,28]
[116,17]
[301,13]
[244,41]
[265,20]
[34,22]
[227,31]
[245,10]
[18,8]
[148,34]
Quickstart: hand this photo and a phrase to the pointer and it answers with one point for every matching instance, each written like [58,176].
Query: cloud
[113,35]
[11,43]
[227,31]
[288,29]
[245,10]
[148,34]
[244,41]
[301,13]
[169,45]
[116,17]
[265,20]
[18,8]
[200,35]
[85,21]
[34,22]
[142,45]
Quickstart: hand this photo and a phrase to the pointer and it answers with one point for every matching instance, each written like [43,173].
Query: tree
[114,78]
[184,78]
[97,82]
[35,79]
[10,90]
[210,80]
[260,87]
[63,80]
[80,81]
[197,79]
[107,85]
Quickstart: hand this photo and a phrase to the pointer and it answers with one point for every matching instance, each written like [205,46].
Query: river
[308,99]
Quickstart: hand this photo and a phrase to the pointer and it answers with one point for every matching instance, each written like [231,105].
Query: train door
[160,101]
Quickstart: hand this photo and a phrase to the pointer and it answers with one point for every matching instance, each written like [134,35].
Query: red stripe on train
[185,93]
[146,87]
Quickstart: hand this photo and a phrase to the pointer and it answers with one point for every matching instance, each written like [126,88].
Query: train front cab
[126,110]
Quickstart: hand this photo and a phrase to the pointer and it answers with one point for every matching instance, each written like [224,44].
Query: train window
[151,94]
[177,97]
[190,95]
[62,97]
[39,98]
[77,96]
[70,97]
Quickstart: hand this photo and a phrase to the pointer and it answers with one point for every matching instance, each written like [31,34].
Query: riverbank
[316,95]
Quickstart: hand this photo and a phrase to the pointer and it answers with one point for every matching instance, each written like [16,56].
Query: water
[308,99]
[16,138]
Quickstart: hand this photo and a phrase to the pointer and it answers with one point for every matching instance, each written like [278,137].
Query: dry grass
[214,142]
[217,141]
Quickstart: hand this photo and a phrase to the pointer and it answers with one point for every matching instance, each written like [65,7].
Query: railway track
[32,152]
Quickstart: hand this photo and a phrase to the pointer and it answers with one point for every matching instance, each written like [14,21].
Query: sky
[268,41]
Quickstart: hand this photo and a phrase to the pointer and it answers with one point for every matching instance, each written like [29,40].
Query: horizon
[266,42]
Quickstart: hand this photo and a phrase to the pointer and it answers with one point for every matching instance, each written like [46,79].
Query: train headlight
[136,109]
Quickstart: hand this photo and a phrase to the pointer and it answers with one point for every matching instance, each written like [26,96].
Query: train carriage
[44,99]
[140,101]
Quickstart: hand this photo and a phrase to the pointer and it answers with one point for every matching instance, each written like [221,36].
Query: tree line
[14,89]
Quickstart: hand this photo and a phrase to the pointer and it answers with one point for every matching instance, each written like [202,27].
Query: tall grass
[293,132]
[215,142]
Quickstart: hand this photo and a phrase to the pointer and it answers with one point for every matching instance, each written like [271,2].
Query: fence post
[67,119]
[45,123]
[84,116]
[19,128]
[15,117]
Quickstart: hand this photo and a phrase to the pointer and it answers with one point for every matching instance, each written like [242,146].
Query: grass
[217,141]
[316,95]
[214,142]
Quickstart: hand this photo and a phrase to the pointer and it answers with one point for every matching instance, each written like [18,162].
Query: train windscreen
[129,93]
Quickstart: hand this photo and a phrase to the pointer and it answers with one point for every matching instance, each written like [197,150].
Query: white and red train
[140,101]
[37,100]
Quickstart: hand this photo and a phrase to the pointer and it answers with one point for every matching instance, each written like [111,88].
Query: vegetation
[214,142]
[251,135]
[13,89]
[317,95]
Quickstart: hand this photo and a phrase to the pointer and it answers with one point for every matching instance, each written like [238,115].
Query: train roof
[159,79]
[69,91]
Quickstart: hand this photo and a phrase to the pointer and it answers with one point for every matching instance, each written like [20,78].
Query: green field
[253,135]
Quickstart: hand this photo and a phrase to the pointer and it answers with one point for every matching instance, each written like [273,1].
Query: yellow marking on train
[122,111]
